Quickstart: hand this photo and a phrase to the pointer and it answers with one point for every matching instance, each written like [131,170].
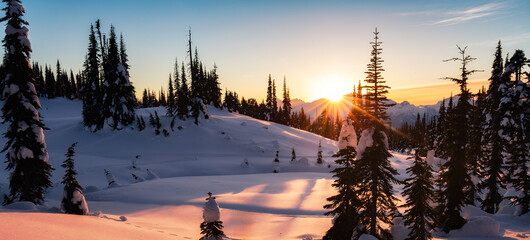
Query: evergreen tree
[183,96]
[50,83]
[514,108]
[293,156]
[73,200]
[346,204]
[92,116]
[319,153]
[460,188]
[286,108]
[118,98]
[373,159]
[492,147]
[171,105]
[26,156]
[418,190]
[212,227]
[269,100]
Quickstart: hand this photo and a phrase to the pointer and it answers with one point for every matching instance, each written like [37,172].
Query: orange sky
[431,94]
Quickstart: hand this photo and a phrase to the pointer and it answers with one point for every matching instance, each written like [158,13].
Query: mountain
[399,113]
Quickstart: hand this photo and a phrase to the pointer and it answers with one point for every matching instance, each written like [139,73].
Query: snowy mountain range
[399,113]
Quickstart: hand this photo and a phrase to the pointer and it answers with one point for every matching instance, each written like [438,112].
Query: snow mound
[347,137]
[211,212]
[366,140]
[481,226]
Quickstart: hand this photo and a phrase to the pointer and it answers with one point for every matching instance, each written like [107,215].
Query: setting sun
[333,89]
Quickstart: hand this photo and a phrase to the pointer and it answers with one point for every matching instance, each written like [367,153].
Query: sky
[320,47]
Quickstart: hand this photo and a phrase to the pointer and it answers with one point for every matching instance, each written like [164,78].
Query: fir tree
[269,100]
[373,160]
[118,99]
[492,147]
[212,226]
[286,108]
[73,200]
[92,116]
[293,156]
[26,156]
[346,204]
[171,106]
[418,190]
[183,96]
[514,107]
[319,153]
[460,188]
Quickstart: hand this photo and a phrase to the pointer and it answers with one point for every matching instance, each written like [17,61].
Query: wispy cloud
[458,17]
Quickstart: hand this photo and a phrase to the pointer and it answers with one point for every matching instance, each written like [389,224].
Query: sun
[332,89]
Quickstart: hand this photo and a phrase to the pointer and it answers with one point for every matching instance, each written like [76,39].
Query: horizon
[290,40]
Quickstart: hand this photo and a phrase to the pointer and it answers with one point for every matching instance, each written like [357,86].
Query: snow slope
[255,203]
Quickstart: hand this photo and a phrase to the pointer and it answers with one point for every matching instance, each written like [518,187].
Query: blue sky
[312,43]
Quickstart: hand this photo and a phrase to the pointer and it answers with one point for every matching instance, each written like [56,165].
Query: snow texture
[78,197]
[210,212]
[366,140]
[151,175]
[430,158]
[347,137]
[482,226]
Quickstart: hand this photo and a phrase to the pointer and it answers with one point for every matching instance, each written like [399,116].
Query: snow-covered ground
[255,202]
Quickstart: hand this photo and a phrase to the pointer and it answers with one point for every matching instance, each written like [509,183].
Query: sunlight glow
[332,88]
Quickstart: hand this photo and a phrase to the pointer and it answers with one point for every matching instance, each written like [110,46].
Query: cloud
[458,17]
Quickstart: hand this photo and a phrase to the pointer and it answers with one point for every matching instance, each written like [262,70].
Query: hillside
[255,203]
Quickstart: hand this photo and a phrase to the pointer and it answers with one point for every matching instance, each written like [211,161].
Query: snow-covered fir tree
[515,109]
[212,226]
[276,163]
[118,93]
[92,115]
[346,204]
[420,215]
[492,144]
[378,201]
[73,199]
[460,190]
[27,155]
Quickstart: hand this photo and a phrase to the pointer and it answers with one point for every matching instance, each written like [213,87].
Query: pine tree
[514,109]
[73,200]
[286,108]
[269,100]
[346,204]
[293,156]
[118,99]
[183,96]
[26,156]
[319,153]
[373,159]
[212,226]
[460,189]
[492,147]
[92,115]
[171,106]
[418,190]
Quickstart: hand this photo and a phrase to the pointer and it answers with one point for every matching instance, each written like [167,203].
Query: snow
[256,203]
[430,158]
[347,137]
[210,211]
[482,226]
[79,198]
[365,141]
